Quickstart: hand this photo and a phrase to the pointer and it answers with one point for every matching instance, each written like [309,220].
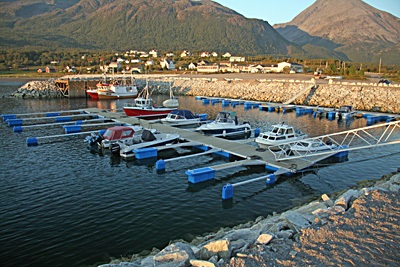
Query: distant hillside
[350,28]
[166,25]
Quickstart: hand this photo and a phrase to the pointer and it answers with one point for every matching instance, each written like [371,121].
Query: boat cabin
[118,133]
[227,117]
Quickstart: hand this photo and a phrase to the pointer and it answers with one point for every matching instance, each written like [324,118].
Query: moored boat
[279,134]
[145,107]
[114,88]
[226,126]
[183,117]
[172,102]
[92,93]
[121,134]
[148,138]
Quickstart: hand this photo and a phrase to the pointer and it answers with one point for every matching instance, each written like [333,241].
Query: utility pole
[380,64]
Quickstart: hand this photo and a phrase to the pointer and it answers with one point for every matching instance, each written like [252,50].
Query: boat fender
[256,132]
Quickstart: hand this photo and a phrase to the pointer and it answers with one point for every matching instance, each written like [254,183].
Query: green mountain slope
[165,25]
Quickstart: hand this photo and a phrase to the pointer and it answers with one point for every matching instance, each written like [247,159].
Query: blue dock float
[8,117]
[53,114]
[331,115]
[20,121]
[34,141]
[145,153]
[200,175]
[226,102]
[19,128]
[205,101]
[228,189]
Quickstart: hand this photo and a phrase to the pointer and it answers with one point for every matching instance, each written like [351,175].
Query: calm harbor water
[61,205]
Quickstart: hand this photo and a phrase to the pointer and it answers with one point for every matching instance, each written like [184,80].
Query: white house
[167,64]
[208,68]
[237,59]
[214,54]
[192,66]
[149,63]
[186,53]
[227,54]
[153,53]
[294,67]
[205,54]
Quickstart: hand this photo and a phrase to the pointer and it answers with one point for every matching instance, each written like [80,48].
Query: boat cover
[184,113]
[148,136]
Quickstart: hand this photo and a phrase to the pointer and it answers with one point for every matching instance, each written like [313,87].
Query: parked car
[384,81]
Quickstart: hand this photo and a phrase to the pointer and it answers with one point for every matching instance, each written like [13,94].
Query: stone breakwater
[362,96]
[39,89]
[279,238]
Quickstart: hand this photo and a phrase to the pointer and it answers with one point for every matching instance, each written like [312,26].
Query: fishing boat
[117,89]
[92,93]
[279,134]
[172,102]
[183,117]
[149,138]
[121,134]
[226,126]
[144,107]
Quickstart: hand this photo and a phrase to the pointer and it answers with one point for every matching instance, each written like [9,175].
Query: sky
[281,11]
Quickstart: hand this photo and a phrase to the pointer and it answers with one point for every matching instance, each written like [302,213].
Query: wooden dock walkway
[246,151]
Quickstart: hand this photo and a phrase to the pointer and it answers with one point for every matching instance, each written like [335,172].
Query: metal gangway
[330,144]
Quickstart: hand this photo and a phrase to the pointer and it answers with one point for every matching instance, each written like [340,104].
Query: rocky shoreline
[359,227]
[362,96]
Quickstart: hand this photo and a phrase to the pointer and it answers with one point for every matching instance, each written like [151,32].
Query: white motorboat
[311,146]
[149,138]
[183,117]
[279,134]
[226,126]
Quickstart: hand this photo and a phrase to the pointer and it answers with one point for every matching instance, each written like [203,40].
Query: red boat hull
[93,95]
[147,113]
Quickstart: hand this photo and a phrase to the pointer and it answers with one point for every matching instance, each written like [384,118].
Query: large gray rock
[175,255]
[221,248]
[344,199]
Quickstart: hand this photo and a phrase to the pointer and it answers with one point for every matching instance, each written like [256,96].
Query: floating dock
[241,150]
[245,153]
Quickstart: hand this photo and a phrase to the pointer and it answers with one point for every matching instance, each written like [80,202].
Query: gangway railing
[330,144]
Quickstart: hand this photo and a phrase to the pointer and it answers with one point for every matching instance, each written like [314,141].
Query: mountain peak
[346,25]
